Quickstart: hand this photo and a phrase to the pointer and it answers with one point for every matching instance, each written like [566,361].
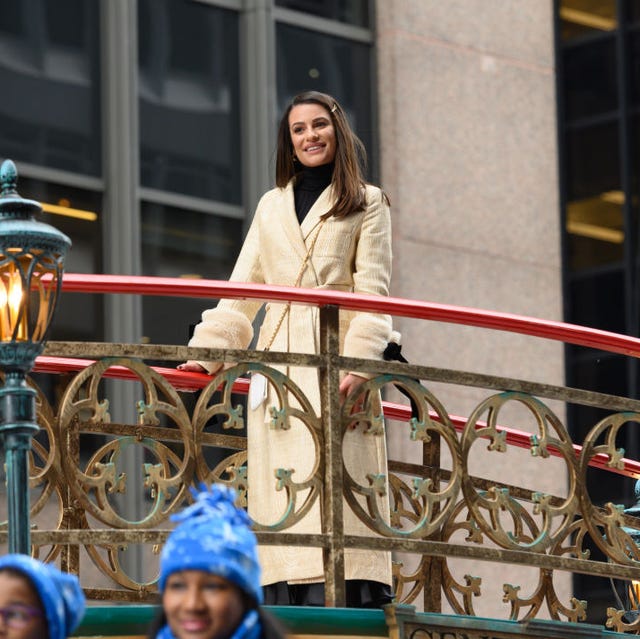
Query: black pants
[361,593]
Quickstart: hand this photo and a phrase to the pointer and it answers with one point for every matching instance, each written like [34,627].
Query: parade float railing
[439,512]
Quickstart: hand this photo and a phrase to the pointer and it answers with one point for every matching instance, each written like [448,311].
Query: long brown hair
[348,173]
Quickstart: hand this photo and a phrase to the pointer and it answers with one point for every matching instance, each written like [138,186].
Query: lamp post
[31,265]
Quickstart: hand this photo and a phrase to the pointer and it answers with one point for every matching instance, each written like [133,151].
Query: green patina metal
[29,250]
[396,622]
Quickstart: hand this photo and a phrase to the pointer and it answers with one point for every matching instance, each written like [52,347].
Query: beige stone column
[468,147]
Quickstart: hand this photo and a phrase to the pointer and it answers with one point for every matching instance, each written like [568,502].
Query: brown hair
[347,181]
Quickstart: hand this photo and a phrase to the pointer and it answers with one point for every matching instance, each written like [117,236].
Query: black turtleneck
[310,182]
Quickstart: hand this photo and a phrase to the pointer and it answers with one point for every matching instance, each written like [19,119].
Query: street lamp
[31,265]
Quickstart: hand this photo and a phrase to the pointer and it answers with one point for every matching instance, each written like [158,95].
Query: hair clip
[334,108]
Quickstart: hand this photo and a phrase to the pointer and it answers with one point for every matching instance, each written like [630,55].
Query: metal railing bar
[195,381]
[215,289]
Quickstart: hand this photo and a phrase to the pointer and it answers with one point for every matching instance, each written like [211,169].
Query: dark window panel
[634,68]
[635,162]
[12,18]
[633,11]
[50,107]
[587,252]
[189,99]
[179,243]
[599,301]
[63,31]
[601,373]
[354,12]
[582,19]
[313,61]
[583,418]
[596,231]
[593,163]
[590,79]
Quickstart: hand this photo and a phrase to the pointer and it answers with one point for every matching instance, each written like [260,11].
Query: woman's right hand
[192,367]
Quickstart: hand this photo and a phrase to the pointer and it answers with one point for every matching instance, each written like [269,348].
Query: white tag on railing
[257,390]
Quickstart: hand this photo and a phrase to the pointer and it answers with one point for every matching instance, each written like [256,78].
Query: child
[37,600]
[210,576]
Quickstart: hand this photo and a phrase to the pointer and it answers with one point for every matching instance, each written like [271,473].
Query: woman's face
[199,605]
[21,613]
[312,134]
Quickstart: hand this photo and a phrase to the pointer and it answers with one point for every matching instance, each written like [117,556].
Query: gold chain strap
[303,266]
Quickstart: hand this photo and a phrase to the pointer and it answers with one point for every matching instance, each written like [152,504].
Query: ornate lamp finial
[8,179]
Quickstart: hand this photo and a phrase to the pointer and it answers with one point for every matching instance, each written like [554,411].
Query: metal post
[30,251]
[333,523]
[17,427]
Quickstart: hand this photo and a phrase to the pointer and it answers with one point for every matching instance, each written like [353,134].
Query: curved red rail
[215,289]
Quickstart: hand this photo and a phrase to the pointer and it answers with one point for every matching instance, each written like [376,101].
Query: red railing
[215,289]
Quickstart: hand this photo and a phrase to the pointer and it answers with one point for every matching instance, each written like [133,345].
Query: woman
[37,600]
[210,575]
[321,227]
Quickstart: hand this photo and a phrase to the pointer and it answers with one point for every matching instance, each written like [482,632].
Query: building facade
[504,131]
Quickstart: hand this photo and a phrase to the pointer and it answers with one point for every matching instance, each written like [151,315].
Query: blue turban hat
[215,536]
[60,593]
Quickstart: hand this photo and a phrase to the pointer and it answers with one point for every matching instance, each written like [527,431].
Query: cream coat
[350,254]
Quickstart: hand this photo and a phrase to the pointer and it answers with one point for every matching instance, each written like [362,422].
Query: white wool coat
[351,254]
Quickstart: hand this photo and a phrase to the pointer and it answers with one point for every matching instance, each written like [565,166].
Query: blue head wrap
[215,536]
[62,598]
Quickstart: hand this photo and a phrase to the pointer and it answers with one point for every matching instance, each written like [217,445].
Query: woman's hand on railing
[348,385]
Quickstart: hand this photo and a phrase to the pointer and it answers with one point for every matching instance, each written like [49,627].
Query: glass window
[582,18]
[313,61]
[189,99]
[599,301]
[178,243]
[595,230]
[350,11]
[75,212]
[590,77]
[594,214]
[593,163]
[634,68]
[635,163]
[50,106]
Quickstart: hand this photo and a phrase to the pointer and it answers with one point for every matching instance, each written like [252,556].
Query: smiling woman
[321,227]
[312,134]
[210,575]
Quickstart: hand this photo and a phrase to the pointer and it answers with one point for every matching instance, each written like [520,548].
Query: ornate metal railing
[440,511]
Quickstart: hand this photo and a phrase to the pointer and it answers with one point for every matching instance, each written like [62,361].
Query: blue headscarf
[215,536]
[60,593]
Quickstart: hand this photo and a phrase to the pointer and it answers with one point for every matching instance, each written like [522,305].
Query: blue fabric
[60,593]
[249,628]
[215,536]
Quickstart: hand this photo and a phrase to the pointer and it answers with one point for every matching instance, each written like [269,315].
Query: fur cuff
[222,329]
[367,336]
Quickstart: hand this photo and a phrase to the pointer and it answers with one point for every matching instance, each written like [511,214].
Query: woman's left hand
[349,384]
